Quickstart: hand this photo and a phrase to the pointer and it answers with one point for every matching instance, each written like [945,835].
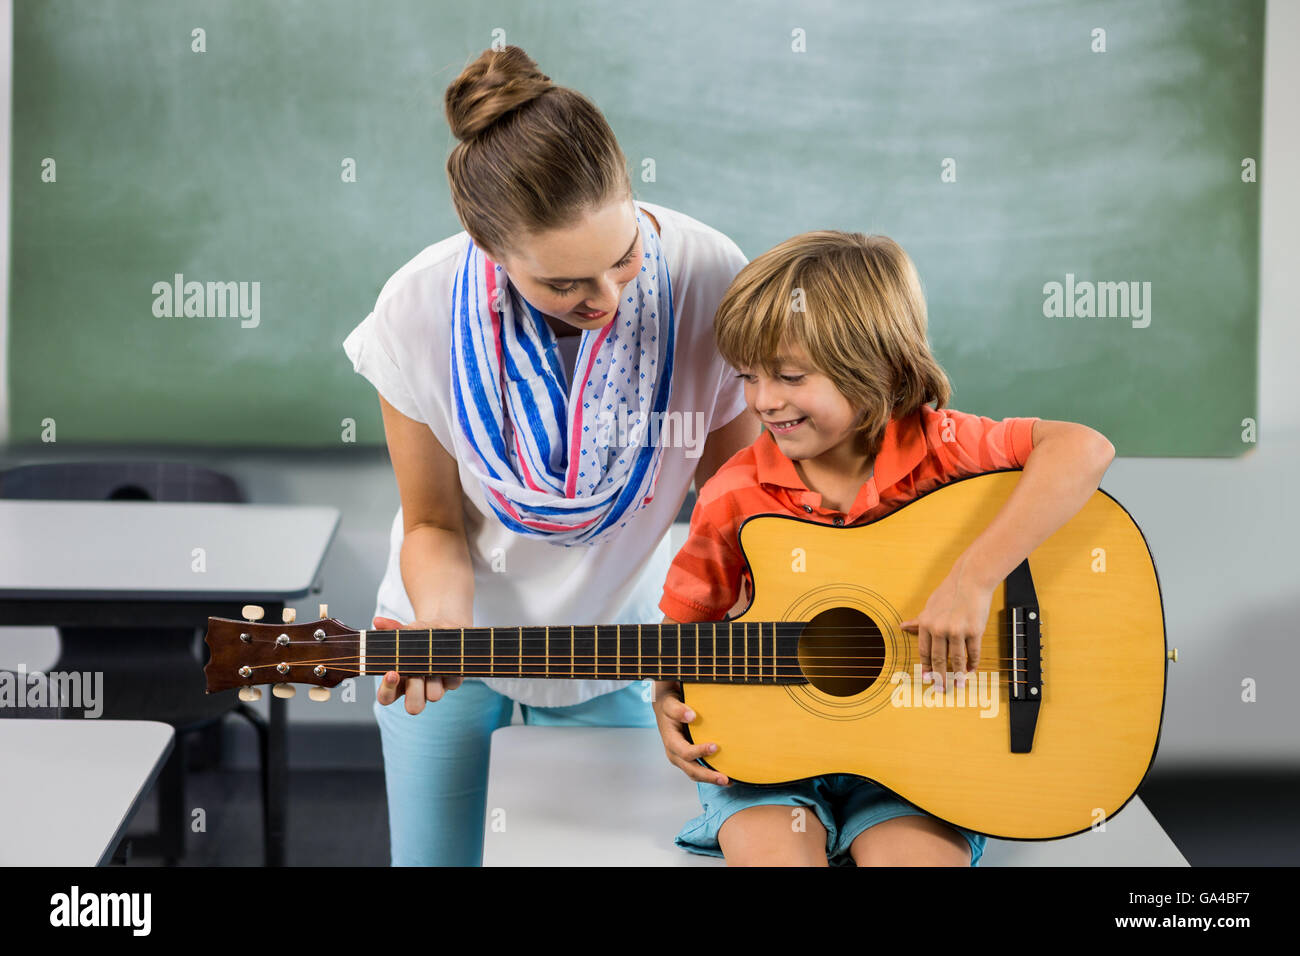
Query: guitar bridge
[1026,679]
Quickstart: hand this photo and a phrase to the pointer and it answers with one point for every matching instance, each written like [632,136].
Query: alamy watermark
[687,430]
[74,908]
[1100,300]
[74,690]
[981,689]
[208,300]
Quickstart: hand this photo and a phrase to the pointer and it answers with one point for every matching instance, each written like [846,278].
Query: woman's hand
[951,627]
[416,689]
[672,714]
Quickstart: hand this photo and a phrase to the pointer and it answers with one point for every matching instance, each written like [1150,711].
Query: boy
[828,332]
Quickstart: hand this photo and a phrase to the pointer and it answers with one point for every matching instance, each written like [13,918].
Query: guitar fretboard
[722,652]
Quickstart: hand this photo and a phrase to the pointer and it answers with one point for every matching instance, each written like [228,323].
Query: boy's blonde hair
[855,305]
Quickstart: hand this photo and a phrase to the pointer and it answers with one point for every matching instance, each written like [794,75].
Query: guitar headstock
[248,653]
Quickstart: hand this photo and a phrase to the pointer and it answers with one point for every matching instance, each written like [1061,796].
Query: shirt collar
[901,450]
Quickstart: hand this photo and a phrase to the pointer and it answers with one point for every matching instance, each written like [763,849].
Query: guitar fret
[573,661]
[430,650]
[362,648]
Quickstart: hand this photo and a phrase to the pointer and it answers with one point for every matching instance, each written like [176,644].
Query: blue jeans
[436,763]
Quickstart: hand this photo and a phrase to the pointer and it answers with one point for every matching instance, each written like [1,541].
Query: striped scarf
[545,456]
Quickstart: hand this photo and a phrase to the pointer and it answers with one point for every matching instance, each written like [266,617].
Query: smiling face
[575,274]
[807,415]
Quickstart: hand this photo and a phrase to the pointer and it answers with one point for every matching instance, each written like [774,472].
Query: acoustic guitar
[1051,734]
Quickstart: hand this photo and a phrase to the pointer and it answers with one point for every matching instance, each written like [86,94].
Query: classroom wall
[1223,531]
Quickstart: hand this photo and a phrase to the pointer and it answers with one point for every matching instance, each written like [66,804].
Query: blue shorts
[845,804]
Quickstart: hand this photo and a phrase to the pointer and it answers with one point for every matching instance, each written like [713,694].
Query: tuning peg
[288,615]
[252,612]
[1172,655]
[250,693]
[319,693]
[324,611]
[283,690]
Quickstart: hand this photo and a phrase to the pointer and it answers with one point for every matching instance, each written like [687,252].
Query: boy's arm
[704,579]
[1061,473]
[672,714]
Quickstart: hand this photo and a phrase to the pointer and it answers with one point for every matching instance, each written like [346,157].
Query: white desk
[596,796]
[144,550]
[71,786]
[109,564]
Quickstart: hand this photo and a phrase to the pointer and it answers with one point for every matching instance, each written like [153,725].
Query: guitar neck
[757,652]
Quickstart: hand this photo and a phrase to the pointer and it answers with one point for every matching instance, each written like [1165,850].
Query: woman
[528,497]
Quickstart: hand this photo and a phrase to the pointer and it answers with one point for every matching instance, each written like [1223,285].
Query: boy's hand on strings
[416,690]
[951,627]
[673,715]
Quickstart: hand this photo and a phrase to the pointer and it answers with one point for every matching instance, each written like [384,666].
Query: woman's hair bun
[498,82]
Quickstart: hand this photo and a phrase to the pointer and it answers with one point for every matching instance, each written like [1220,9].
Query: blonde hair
[854,303]
[532,156]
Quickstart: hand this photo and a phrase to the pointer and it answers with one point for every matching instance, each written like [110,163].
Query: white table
[144,550]
[109,564]
[598,796]
[71,786]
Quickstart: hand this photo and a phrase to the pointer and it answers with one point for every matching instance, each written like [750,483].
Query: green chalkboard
[999,142]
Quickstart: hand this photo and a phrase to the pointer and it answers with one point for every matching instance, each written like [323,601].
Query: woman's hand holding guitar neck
[416,690]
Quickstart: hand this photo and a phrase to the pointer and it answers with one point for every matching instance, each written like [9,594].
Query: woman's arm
[435,561]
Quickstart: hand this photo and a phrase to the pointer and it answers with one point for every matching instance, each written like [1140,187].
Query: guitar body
[1102,657]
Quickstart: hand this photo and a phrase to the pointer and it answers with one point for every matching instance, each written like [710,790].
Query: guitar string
[766,680]
[449,638]
[784,670]
[621,659]
[624,659]
[785,664]
[606,662]
[453,633]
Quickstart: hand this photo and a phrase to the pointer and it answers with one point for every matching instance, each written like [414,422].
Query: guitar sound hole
[841,652]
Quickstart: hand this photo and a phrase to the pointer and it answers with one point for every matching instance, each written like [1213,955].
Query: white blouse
[402,348]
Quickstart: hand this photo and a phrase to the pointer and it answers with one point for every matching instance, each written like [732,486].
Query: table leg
[277,782]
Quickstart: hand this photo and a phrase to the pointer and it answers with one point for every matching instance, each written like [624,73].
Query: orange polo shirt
[918,453]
